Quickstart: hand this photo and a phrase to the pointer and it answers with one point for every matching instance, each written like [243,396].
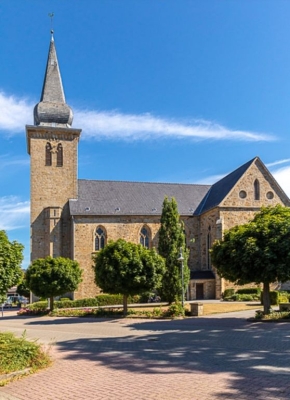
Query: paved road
[204,358]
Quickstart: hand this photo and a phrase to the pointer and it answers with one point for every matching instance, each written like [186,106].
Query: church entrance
[199,291]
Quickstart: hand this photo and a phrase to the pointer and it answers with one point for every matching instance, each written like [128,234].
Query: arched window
[257,190]
[48,154]
[145,237]
[59,155]
[208,247]
[100,238]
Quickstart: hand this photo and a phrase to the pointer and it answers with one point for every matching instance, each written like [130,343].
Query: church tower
[52,145]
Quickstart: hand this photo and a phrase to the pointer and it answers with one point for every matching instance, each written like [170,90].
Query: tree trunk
[125,304]
[51,303]
[266,297]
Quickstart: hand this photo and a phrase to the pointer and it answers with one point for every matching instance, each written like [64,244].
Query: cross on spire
[51,15]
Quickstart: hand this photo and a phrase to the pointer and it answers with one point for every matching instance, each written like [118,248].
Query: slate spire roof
[52,109]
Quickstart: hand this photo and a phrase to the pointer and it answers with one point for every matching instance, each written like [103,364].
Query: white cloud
[115,125]
[14,214]
[17,112]
[282,176]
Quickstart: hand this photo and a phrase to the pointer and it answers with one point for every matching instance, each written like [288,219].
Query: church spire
[52,109]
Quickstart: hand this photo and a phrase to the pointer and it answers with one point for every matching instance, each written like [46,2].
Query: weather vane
[51,15]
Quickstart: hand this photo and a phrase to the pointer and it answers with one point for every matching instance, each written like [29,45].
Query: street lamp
[181,259]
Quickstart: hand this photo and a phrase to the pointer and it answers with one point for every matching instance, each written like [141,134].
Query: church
[75,218]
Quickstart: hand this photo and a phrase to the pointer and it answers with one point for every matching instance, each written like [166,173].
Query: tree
[22,288]
[258,251]
[171,240]
[11,256]
[127,268]
[49,277]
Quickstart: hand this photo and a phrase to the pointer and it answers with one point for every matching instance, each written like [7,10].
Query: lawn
[215,308]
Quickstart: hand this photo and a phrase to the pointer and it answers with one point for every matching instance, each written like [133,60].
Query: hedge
[255,290]
[100,300]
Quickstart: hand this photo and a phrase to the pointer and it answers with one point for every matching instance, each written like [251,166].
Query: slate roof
[52,108]
[220,189]
[144,198]
[134,198]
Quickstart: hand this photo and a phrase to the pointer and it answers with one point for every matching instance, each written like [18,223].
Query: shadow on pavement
[256,355]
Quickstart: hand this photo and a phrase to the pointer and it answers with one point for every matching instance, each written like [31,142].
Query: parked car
[7,302]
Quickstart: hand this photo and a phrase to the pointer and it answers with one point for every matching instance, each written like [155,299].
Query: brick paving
[204,358]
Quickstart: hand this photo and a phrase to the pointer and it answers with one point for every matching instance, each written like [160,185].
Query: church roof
[220,189]
[145,198]
[134,198]
[52,109]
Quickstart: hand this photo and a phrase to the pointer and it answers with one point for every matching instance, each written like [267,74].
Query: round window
[243,194]
[270,195]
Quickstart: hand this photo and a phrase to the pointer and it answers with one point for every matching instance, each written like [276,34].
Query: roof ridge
[148,183]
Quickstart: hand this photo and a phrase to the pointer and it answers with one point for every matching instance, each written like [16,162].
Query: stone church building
[74,218]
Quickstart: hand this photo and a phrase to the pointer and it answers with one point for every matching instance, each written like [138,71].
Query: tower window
[100,238]
[145,237]
[257,190]
[48,154]
[59,155]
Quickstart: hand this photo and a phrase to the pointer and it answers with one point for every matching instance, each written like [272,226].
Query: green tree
[49,277]
[258,251]
[171,240]
[22,288]
[127,268]
[11,256]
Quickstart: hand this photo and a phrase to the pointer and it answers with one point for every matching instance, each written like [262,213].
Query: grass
[215,308]
[225,307]
[19,354]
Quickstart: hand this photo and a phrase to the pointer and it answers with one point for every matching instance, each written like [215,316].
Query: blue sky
[165,91]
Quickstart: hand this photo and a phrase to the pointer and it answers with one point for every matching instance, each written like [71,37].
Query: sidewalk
[214,357]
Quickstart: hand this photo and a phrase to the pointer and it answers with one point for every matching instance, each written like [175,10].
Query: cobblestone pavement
[204,358]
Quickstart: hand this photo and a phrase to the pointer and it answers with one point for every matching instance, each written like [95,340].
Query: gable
[255,188]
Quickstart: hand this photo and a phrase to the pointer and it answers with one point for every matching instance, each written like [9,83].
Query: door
[199,291]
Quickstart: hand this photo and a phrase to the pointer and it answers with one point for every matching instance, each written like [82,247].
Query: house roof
[134,198]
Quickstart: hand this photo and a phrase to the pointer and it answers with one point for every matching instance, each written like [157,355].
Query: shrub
[228,293]
[175,310]
[18,353]
[283,297]
[65,299]
[256,291]
[242,297]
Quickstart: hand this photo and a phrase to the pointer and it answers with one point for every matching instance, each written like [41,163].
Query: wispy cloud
[210,180]
[279,162]
[17,112]
[8,160]
[14,214]
[115,125]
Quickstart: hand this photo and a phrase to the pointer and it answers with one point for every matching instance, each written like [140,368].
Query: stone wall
[51,187]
